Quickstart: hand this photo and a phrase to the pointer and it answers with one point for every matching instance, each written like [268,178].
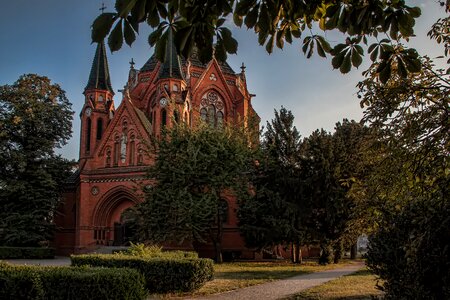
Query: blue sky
[52,38]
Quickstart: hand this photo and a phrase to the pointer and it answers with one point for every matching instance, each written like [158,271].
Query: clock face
[88,111]
[163,102]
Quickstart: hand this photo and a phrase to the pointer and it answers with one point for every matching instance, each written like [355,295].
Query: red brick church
[113,161]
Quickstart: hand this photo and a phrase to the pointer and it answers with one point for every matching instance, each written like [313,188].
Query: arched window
[99,129]
[219,118]
[212,115]
[203,114]
[132,147]
[88,134]
[176,117]
[186,120]
[212,109]
[163,118]
[223,211]
[116,151]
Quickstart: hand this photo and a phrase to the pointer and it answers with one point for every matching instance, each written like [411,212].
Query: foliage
[410,184]
[275,22]
[274,214]
[161,275]
[141,250]
[32,282]
[26,252]
[309,191]
[197,171]
[35,117]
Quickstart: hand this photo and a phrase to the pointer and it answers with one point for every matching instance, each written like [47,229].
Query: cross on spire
[132,63]
[103,7]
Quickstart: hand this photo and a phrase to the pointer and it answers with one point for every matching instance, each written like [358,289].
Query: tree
[197,170]
[35,117]
[203,24]
[273,216]
[410,186]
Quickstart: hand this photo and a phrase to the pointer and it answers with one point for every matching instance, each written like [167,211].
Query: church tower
[170,89]
[98,107]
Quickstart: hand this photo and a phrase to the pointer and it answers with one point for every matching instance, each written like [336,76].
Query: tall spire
[99,77]
[171,67]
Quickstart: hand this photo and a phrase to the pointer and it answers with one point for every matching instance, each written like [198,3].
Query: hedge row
[161,275]
[26,252]
[33,282]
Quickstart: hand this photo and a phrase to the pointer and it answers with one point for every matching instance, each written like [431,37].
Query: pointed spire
[99,77]
[171,67]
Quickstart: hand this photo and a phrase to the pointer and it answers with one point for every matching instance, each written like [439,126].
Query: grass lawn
[231,276]
[357,286]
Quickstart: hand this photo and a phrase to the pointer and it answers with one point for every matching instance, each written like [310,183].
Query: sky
[52,38]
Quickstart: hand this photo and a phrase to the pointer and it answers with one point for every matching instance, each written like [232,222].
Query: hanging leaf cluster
[203,24]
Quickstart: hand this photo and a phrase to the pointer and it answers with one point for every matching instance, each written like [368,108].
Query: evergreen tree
[35,117]
[273,215]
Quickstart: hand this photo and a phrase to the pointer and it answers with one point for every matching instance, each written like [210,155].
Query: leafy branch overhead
[206,25]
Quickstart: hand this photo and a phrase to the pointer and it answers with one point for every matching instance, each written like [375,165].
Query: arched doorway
[109,219]
[125,228]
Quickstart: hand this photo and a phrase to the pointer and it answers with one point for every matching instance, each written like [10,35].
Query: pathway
[285,287]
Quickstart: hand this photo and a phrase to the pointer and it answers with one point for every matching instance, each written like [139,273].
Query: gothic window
[132,149]
[140,157]
[223,211]
[163,118]
[211,115]
[108,157]
[219,118]
[203,114]
[88,134]
[186,120]
[99,129]
[116,150]
[212,109]
[176,116]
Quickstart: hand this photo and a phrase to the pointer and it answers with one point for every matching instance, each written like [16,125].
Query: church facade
[113,160]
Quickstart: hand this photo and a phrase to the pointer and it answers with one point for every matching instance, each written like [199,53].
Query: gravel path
[285,287]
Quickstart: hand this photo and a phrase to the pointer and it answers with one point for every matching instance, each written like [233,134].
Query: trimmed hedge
[26,252]
[33,282]
[162,275]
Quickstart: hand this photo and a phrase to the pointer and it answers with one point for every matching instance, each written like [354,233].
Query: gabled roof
[177,62]
[99,77]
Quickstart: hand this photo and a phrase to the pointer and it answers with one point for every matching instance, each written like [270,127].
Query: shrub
[411,253]
[32,282]
[26,252]
[153,251]
[162,275]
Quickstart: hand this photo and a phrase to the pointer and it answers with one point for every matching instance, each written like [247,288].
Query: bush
[162,275]
[142,250]
[411,253]
[32,282]
[26,252]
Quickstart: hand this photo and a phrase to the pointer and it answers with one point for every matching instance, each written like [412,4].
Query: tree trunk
[353,251]
[338,248]
[217,241]
[325,253]
[298,253]
[292,253]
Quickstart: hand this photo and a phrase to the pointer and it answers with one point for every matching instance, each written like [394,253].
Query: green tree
[197,170]
[35,118]
[273,216]
[410,187]
[203,24]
